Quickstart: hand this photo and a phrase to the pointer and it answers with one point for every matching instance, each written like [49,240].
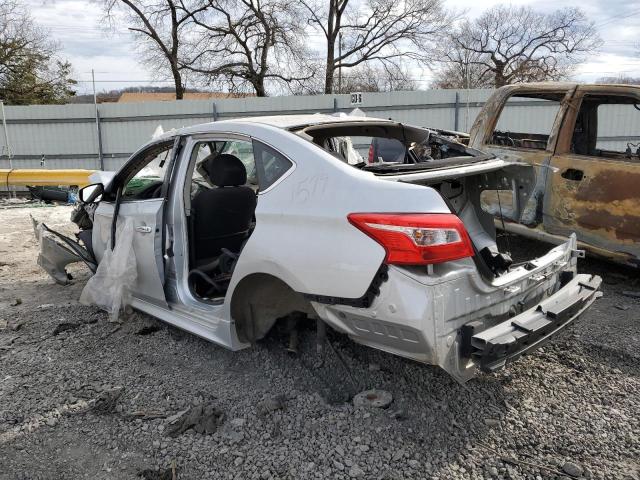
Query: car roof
[285,122]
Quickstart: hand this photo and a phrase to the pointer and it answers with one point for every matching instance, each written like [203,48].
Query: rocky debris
[572,469]
[203,418]
[148,330]
[271,404]
[107,400]
[574,401]
[373,398]
[15,326]
[65,327]
[356,472]
[631,293]
[16,302]
[153,474]
[491,422]
[624,308]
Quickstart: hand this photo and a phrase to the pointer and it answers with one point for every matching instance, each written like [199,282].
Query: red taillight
[416,238]
[371,154]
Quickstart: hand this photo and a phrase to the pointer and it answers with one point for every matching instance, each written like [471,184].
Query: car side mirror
[91,193]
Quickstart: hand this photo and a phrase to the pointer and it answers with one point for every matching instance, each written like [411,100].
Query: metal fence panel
[67,135]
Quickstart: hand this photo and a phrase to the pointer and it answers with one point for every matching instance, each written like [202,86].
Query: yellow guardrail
[44,178]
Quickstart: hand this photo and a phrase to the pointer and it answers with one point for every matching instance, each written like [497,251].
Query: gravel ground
[82,398]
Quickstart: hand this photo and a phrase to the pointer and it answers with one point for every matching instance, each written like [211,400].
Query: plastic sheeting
[110,286]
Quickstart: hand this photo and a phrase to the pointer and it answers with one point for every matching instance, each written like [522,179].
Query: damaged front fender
[57,251]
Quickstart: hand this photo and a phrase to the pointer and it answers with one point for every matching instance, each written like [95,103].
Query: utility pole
[466,120]
[98,133]
[340,65]
[6,141]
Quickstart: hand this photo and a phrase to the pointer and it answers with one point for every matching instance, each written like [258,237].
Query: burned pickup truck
[229,226]
[584,142]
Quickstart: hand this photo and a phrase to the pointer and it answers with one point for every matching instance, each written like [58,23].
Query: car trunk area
[462,189]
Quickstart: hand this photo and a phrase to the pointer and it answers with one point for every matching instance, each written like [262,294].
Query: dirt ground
[83,398]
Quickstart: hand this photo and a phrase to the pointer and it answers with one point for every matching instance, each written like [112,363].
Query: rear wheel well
[259,300]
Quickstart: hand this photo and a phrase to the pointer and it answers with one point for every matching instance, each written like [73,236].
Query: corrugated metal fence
[70,136]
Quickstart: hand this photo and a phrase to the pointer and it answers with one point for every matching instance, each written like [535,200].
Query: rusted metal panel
[603,208]
[597,198]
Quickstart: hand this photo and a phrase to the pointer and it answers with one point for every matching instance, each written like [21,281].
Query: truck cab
[584,142]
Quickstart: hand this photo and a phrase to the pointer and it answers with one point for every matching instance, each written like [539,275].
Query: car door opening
[221,214]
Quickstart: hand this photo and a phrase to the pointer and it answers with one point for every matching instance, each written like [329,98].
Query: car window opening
[144,181]
[607,126]
[385,147]
[516,129]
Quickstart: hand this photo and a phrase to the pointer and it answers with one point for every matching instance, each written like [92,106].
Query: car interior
[221,213]
[145,178]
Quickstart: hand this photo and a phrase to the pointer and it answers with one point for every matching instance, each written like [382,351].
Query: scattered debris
[624,308]
[148,330]
[373,398]
[145,415]
[37,421]
[271,404]
[491,422]
[374,367]
[15,326]
[113,330]
[106,401]
[64,327]
[237,422]
[168,474]
[203,419]
[631,293]
[16,302]
[398,414]
[572,469]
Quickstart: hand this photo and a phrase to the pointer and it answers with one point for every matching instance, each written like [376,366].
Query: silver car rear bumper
[494,347]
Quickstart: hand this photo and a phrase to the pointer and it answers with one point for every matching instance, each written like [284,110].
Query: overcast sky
[76,24]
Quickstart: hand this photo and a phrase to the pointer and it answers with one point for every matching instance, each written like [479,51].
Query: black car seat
[222,216]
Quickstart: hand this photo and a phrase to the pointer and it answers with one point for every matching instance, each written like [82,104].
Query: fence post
[215,112]
[335,104]
[456,115]
[99,132]
[6,136]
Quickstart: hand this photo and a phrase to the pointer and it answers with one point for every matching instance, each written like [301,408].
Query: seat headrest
[225,170]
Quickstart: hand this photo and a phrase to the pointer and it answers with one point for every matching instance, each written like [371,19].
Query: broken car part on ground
[241,222]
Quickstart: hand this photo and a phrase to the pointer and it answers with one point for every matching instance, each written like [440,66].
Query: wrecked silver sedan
[221,229]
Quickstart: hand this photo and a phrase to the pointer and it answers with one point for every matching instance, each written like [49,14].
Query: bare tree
[161,26]
[244,44]
[381,31]
[620,79]
[517,44]
[385,78]
[30,69]
[461,70]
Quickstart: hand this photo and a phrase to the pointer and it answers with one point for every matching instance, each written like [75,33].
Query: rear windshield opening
[386,146]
